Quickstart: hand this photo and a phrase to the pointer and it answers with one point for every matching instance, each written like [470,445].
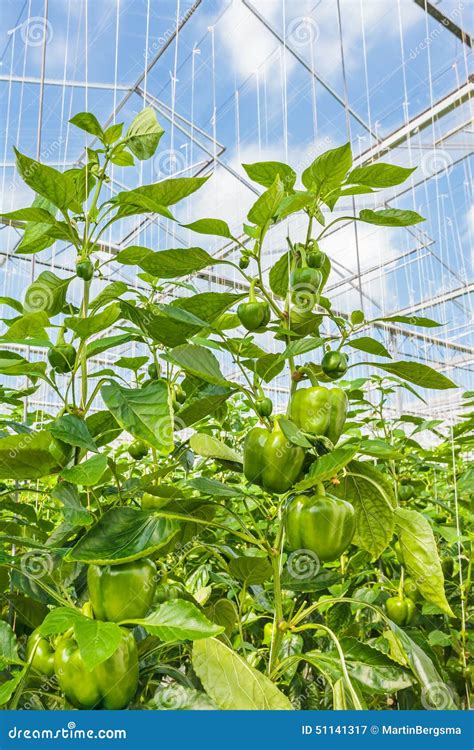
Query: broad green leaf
[417,373]
[103,427]
[372,497]
[379,175]
[211,447]
[113,133]
[85,327]
[265,207]
[167,264]
[132,363]
[208,305]
[14,364]
[216,227]
[164,193]
[369,345]
[198,361]
[178,620]
[202,401]
[8,646]
[47,293]
[250,570]
[59,620]
[390,217]
[94,348]
[27,456]
[420,555]
[88,122]
[144,134]
[327,466]
[293,203]
[30,214]
[46,181]
[329,169]
[121,535]
[265,173]
[280,276]
[8,688]
[11,302]
[122,158]
[379,449]
[231,682]
[73,511]
[28,326]
[87,473]
[213,487]
[112,291]
[293,433]
[73,431]
[97,641]
[143,412]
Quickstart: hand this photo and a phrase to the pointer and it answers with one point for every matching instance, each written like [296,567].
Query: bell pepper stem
[252,296]
[276,633]
[310,375]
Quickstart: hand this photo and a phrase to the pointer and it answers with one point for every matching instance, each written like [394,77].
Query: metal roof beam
[435,13]
[438,300]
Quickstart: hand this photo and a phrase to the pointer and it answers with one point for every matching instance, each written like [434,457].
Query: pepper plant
[169,540]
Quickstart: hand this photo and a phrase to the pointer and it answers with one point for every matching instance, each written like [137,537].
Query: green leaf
[131,363]
[30,214]
[73,511]
[8,688]
[178,620]
[13,364]
[379,449]
[11,302]
[213,487]
[250,570]
[231,682]
[211,447]
[420,556]
[201,402]
[327,466]
[216,227]
[167,264]
[112,291]
[121,535]
[27,456]
[293,203]
[266,206]
[108,342]
[144,134]
[372,497]
[73,431]
[164,193]
[417,373]
[59,620]
[29,326]
[143,412]
[293,433]
[390,217]
[85,327]
[379,175]
[329,169]
[8,646]
[88,122]
[47,293]
[97,641]
[113,133]
[265,173]
[88,473]
[280,276]
[370,345]
[122,158]
[413,320]
[46,181]
[198,361]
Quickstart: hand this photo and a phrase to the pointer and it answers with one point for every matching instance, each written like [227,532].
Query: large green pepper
[405,492]
[254,313]
[320,411]
[320,523]
[400,610]
[138,449]
[270,460]
[43,657]
[110,685]
[85,269]
[122,592]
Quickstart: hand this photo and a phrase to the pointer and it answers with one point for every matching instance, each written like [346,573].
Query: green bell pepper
[255,313]
[320,523]
[85,269]
[138,449]
[62,358]
[270,460]
[154,371]
[410,589]
[405,492]
[43,656]
[320,411]
[334,365]
[400,610]
[122,592]
[111,685]
[263,407]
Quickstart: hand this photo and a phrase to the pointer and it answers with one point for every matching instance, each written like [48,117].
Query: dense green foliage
[168,541]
